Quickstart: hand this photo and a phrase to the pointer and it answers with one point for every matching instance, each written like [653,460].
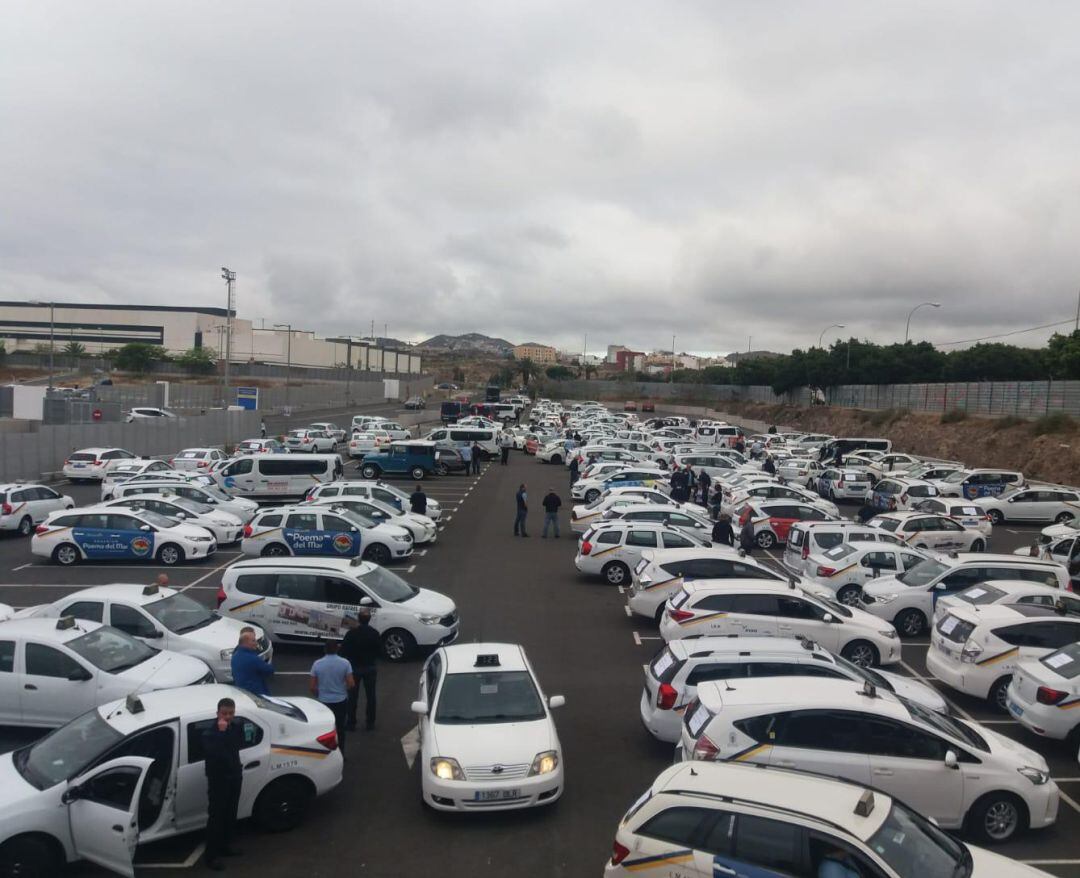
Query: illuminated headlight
[429,620]
[544,763]
[885,598]
[227,654]
[445,768]
[890,633]
[1035,775]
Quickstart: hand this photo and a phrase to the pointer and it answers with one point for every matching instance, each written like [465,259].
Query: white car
[306,600]
[259,446]
[640,475]
[487,738]
[846,568]
[959,774]
[612,549]
[1044,693]
[924,530]
[366,441]
[1006,591]
[673,675]
[801,470]
[974,649]
[148,413]
[585,515]
[762,817]
[552,452]
[1042,503]
[907,600]
[963,512]
[88,464]
[332,531]
[759,608]
[159,616]
[309,442]
[59,668]
[23,505]
[211,495]
[124,470]
[421,528]
[197,459]
[373,490]
[62,797]
[895,494]
[844,483]
[692,523]
[806,538]
[330,429]
[104,533]
[772,520]
[226,527]
[773,491]
[396,431]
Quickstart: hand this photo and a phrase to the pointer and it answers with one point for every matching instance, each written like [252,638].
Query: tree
[527,368]
[559,373]
[590,370]
[138,357]
[74,349]
[1063,355]
[198,361]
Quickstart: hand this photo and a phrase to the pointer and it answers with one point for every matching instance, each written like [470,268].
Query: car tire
[30,856]
[369,471]
[66,554]
[1063,517]
[398,645]
[765,540]
[274,550]
[441,469]
[170,555]
[615,573]
[591,495]
[978,546]
[418,473]
[849,595]
[283,804]
[26,526]
[996,696]
[909,623]
[862,653]
[996,817]
[556,458]
[996,516]
[377,553]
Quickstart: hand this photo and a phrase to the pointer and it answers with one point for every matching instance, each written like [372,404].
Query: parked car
[415,402]
[23,505]
[147,413]
[416,459]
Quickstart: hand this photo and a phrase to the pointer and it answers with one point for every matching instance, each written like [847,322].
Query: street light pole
[52,334]
[288,361]
[229,278]
[907,328]
[826,329]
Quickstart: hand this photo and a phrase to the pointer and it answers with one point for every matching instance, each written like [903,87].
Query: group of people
[552,502]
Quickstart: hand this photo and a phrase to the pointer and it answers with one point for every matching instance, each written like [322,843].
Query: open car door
[103,806]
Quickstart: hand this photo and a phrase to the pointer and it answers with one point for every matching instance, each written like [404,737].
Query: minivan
[486,437]
[845,445]
[450,411]
[278,475]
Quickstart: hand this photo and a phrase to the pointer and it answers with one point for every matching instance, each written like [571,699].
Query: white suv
[24,505]
[613,549]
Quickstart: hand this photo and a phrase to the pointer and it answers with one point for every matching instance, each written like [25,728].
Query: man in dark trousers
[476,458]
[722,532]
[703,487]
[221,744]
[769,466]
[330,681]
[746,536]
[418,501]
[361,647]
[521,498]
[551,504]
[575,470]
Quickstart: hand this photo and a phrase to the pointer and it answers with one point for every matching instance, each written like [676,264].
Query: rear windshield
[889,524]
[665,665]
[981,594]
[82,456]
[954,629]
[828,540]
[841,551]
[966,511]
[1066,661]
[191,455]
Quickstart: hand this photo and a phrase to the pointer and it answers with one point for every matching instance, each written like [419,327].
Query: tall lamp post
[907,327]
[826,329]
[230,278]
[288,361]
[52,335]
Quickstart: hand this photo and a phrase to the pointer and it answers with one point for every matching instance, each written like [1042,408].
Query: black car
[415,402]
[449,460]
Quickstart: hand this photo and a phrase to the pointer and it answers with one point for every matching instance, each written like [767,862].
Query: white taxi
[895,494]
[132,772]
[22,505]
[584,515]
[159,616]
[225,526]
[123,470]
[756,607]
[305,441]
[843,483]
[88,464]
[613,549]
[366,441]
[330,429]
[391,495]
[963,512]
[640,475]
[802,470]
[189,489]
[926,531]
[846,568]
[737,498]
[1005,591]
[421,528]
[197,459]
[1045,692]
[332,531]
[975,649]
[59,668]
[771,520]
[487,738]
[696,524]
[1042,503]
[960,774]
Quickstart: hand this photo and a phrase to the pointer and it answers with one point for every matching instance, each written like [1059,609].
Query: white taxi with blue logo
[225,527]
[323,530]
[639,475]
[108,533]
[487,738]
[421,528]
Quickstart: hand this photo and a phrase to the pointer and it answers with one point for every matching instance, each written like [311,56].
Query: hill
[470,341]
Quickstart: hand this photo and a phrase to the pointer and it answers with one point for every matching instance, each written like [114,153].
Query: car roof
[658,507]
[707,646]
[991,614]
[731,585]
[167,703]
[47,629]
[341,565]
[15,486]
[1026,561]
[461,657]
[662,556]
[97,448]
[811,692]
[136,593]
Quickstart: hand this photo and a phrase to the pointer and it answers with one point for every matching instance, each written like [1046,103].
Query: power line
[945,344]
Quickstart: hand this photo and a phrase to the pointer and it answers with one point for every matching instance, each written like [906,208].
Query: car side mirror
[366,602]
[353,529]
[181,515]
[951,759]
[556,701]
[828,617]
[144,527]
[80,676]
[71,794]
[420,708]
[154,634]
[940,586]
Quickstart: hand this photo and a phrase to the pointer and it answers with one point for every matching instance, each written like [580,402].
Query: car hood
[165,670]
[182,530]
[884,585]
[1000,745]
[221,517]
[429,602]
[913,690]
[222,633]
[418,520]
[388,531]
[486,743]
[987,864]
[17,792]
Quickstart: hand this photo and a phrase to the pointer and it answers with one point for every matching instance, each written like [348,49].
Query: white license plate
[496,795]
[1015,709]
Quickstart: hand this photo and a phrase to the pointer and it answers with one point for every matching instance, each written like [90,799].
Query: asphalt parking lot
[582,645]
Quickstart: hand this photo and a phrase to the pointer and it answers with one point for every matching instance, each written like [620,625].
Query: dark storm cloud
[540,169]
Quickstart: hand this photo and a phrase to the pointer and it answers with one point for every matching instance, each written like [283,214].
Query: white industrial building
[25,325]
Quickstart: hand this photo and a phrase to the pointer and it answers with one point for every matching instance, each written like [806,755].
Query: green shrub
[1004,423]
[953,416]
[1058,422]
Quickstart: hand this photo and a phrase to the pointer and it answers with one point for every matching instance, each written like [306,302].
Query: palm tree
[74,349]
[527,368]
[590,370]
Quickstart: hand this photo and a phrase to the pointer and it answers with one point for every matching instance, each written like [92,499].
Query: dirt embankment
[1046,449]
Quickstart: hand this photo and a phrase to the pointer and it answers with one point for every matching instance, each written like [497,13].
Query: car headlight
[429,620]
[890,633]
[220,522]
[226,654]
[885,598]
[445,768]
[544,763]
[1036,775]
[201,539]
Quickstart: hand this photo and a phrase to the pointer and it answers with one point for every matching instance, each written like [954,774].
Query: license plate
[496,795]
[80,466]
[1015,709]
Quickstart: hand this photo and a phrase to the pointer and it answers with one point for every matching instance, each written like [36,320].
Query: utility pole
[673,359]
[1076,328]
[230,306]
[288,363]
[52,335]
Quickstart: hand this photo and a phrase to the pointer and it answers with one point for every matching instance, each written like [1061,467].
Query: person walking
[466,456]
[505,441]
[551,504]
[722,532]
[262,428]
[476,452]
[330,682]
[250,671]
[746,536]
[361,647]
[418,501]
[575,470]
[521,498]
[221,745]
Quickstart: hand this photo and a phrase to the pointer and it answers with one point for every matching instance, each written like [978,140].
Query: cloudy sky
[538,169]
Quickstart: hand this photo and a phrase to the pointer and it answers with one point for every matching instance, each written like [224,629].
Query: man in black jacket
[521,499]
[221,744]
[418,500]
[722,532]
[551,504]
[361,646]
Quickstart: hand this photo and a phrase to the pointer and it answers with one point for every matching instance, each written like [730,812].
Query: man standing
[769,466]
[522,511]
[505,441]
[249,670]
[418,501]
[575,470]
[331,680]
[703,487]
[476,458]
[360,648]
[262,428]
[466,456]
[551,504]
[722,532]
[221,744]
[746,536]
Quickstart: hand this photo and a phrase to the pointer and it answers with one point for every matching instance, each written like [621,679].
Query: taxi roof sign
[65,622]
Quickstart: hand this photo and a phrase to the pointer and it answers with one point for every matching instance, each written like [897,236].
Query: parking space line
[422,552]
[626,608]
[23,567]
[1049,862]
[637,639]
[410,569]
[1072,802]
[206,576]
[952,704]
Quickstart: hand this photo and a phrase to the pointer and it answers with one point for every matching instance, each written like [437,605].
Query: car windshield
[388,585]
[922,573]
[355,515]
[502,696]
[835,607]
[194,506]
[111,650]
[913,846]
[216,493]
[945,724]
[158,520]
[63,753]
[180,614]
[955,478]
[868,674]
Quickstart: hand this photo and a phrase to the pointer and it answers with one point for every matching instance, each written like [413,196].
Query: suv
[613,549]
[808,538]
[415,459]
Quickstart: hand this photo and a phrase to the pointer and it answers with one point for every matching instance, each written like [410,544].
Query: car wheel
[591,495]
[29,856]
[996,818]
[377,553]
[398,644]
[615,573]
[997,693]
[996,516]
[765,540]
[283,804]
[910,623]
[170,554]
[26,526]
[274,550]
[418,472]
[441,469]
[66,554]
[978,546]
[1063,517]
[861,653]
[369,471]
[556,458]
[849,595]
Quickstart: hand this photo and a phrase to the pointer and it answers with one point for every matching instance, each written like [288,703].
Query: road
[582,645]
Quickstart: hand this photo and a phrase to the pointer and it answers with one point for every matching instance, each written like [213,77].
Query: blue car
[413,458]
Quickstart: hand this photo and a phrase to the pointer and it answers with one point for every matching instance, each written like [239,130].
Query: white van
[717,434]
[458,436]
[278,475]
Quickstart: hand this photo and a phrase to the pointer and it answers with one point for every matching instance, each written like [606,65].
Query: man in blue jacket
[249,671]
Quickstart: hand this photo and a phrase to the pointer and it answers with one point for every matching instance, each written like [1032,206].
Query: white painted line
[442,526]
[626,607]
[952,704]
[410,569]
[191,860]
[410,745]
[914,643]
[621,591]
[651,637]
[1066,779]
[449,517]
[1049,862]
[1067,798]
[637,639]
[217,569]
[422,552]
[997,722]
[23,567]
